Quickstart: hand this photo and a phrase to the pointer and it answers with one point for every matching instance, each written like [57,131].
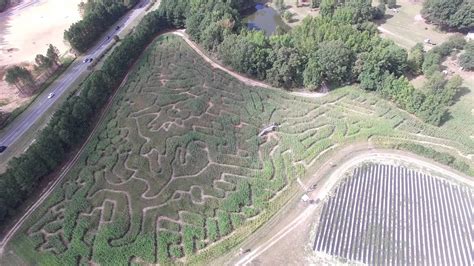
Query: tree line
[450,14]
[98,17]
[22,78]
[72,122]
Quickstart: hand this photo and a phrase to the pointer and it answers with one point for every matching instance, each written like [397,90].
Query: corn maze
[388,215]
[178,167]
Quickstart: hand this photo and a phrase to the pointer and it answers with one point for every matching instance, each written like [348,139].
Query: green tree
[457,14]
[435,83]
[334,61]
[416,58]
[315,3]
[43,62]
[53,55]
[327,8]
[287,68]
[466,59]
[21,78]
[431,63]
[451,89]
[379,11]
[391,3]
[247,53]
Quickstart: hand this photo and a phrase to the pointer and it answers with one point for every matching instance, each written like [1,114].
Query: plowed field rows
[387,215]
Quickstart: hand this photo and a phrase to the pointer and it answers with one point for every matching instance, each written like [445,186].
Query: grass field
[406,27]
[178,173]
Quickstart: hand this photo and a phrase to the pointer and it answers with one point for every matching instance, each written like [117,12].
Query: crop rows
[178,165]
[388,215]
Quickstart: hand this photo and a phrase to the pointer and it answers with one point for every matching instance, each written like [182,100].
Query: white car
[51,95]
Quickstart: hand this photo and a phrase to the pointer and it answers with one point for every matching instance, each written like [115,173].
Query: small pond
[263,17]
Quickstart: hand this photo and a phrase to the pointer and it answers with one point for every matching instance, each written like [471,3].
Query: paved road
[15,9]
[42,104]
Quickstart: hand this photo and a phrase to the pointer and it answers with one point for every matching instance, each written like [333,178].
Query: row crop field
[391,215]
[177,172]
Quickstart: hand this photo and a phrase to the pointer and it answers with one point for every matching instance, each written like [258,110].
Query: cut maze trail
[177,165]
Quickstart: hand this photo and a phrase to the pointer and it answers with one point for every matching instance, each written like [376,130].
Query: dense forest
[450,14]
[4,5]
[99,15]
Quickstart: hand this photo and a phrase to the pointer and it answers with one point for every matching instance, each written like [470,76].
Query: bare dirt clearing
[26,32]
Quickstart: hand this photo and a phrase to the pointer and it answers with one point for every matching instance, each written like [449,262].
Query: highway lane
[15,9]
[23,122]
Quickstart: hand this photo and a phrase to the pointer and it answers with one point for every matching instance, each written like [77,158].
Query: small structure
[268,129]
[305,198]
[445,72]
[470,36]
[428,41]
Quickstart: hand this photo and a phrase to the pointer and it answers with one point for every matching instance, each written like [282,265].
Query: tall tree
[43,62]
[53,54]
[466,59]
[21,78]
[333,60]
[416,58]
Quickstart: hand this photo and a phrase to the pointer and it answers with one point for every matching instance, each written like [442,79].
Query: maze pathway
[178,165]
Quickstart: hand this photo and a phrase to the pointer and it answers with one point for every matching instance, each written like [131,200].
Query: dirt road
[240,77]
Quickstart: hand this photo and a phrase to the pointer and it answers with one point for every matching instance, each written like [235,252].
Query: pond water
[265,18]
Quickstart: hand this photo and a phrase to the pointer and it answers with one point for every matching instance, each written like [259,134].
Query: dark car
[117,28]
[2,148]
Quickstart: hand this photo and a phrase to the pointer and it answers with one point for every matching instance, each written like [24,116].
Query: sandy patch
[25,31]
[419,18]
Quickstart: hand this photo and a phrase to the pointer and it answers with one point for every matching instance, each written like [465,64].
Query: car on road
[2,148]
[85,60]
[117,28]
[51,95]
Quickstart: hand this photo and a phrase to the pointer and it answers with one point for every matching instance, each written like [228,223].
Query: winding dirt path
[238,76]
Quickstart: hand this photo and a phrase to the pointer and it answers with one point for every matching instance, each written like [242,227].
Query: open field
[26,32]
[407,27]
[178,167]
[385,214]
